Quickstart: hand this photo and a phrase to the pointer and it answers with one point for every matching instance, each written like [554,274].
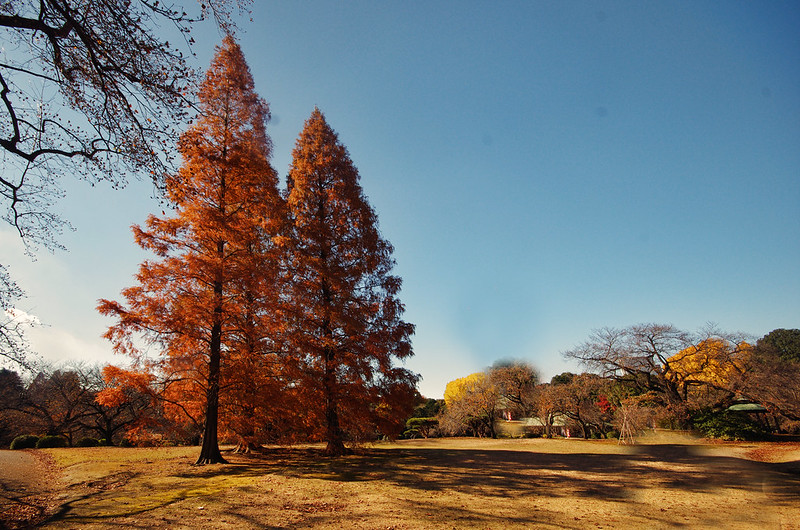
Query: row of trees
[643,374]
[63,402]
[269,312]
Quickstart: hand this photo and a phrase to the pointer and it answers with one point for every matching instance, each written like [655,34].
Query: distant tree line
[643,375]
[696,391]
[63,402]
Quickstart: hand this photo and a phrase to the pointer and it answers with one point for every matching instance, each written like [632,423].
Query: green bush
[420,427]
[51,441]
[728,425]
[612,434]
[87,442]
[25,441]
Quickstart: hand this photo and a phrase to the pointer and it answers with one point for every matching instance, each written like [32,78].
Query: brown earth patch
[28,481]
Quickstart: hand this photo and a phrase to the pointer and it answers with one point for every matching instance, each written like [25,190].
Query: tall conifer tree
[203,299]
[346,326]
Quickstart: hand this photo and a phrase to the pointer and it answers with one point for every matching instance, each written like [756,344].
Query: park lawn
[661,482]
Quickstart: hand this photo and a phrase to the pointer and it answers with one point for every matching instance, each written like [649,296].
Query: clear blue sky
[542,169]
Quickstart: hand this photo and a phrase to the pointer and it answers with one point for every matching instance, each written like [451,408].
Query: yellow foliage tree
[472,404]
[713,362]
[458,388]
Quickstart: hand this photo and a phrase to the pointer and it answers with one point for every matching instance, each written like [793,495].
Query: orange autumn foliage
[345,327]
[204,302]
[264,316]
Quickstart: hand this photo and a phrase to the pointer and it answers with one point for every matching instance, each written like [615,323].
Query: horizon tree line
[645,374]
[63,401]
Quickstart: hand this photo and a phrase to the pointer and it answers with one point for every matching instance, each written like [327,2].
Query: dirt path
[26,488]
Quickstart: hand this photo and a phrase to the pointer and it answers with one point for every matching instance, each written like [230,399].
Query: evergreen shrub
[728,425]
[24,441]
[46,442]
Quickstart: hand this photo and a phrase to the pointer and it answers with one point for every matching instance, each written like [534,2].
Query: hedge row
[31,441]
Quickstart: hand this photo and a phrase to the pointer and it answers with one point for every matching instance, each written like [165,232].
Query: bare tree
[55,401]
[515,381]
[579,401]
[87,88]
[14,348]
[666,361]
[92,90]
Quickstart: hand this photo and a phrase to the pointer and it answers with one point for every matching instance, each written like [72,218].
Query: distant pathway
[25,489]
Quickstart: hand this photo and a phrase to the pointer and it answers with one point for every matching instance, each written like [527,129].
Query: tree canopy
[213,263]
[471,405]
[783,342]
[345,319]
[666,361]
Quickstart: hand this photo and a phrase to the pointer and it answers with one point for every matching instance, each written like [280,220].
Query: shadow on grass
[487,473]
[515,473]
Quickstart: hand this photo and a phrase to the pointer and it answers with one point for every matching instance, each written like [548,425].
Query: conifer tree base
[244,448]
[212,459]
[335,448]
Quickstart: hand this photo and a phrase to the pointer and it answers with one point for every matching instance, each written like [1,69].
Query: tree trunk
[492,431]
[333,436]
[209,452]
[335,445]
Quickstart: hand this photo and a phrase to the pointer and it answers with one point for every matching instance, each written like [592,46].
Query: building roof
[747,407]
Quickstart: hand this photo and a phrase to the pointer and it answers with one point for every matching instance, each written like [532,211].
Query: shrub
[420,427]
[25,441]
[612,434]
[87,442]
[51,441]
[728,425]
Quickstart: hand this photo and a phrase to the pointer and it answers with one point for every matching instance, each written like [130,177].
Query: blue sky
[543,169]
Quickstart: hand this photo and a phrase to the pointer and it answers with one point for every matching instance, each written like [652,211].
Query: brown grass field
[663,481]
